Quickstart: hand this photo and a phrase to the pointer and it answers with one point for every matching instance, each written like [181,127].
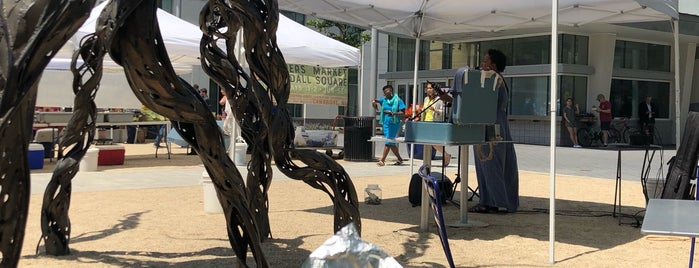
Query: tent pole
[360,83]
[676,37]
[373,81]
[417,59]
[552,157]
[373,65]
[425,207]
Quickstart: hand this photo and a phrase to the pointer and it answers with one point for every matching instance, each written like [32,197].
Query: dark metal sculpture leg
[31,34]
[269,130]
[128,30]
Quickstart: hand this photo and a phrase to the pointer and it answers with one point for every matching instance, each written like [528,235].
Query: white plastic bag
[347,249]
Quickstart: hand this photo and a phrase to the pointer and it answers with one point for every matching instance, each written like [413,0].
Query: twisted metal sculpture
[252,102]
[128,30]
[32,33]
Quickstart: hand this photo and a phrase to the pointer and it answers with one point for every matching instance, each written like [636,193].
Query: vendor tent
[447,20]
[299,44]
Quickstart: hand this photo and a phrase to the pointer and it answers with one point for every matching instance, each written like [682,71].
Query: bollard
[211,204]
[89,161]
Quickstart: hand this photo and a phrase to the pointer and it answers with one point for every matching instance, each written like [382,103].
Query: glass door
[405,91]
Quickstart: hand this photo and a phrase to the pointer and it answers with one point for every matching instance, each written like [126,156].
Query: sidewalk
[596,163]
[149,212]
[159,219]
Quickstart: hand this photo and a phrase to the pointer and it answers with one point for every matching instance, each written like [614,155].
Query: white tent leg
[373,65]
[417,60]
[415,111]
[552,157]
[361,110]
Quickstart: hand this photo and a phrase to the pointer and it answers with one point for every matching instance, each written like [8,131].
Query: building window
[464,54]
[401,54]
[529,95]
[166,5]
[295,110]
[572,49]
[504,45]
[446,56]
[626,95]
[352,94]
[641,56]
[297,17]
[574,87]
[530,51]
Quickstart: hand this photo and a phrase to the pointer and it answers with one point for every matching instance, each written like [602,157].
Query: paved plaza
[587,162]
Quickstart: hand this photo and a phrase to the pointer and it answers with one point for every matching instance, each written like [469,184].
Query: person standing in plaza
[496,164]
[605,117]
[646,115]
[435,113]
[392,109]
[569,113]
[222,104]
[204,93]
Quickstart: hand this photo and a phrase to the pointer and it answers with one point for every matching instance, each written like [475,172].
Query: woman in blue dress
[392,111]
[496,171]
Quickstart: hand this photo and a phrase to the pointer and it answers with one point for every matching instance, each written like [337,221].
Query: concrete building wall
[601,47]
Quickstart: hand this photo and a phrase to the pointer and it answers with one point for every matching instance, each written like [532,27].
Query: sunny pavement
[588,162]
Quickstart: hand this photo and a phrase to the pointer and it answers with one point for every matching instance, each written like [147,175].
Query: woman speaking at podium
[496,164]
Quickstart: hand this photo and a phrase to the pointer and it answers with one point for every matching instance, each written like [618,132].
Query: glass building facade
[628,92]
[530,92]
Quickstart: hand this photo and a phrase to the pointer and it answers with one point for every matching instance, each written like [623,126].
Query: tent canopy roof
[458,20]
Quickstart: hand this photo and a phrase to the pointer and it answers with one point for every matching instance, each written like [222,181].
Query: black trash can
[358,131]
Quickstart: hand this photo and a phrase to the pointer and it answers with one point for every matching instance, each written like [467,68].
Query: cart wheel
[329,152]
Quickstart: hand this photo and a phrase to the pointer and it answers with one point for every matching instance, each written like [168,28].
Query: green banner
[318,85]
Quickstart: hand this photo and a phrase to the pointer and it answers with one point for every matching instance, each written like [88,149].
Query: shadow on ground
[278,252]
[532,221]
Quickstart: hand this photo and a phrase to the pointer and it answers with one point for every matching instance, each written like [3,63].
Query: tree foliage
[351,35]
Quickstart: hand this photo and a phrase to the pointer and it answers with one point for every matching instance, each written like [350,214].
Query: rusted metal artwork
[127,30]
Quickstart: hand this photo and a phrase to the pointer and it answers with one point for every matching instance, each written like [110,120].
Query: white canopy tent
[299,44]
[445,20]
